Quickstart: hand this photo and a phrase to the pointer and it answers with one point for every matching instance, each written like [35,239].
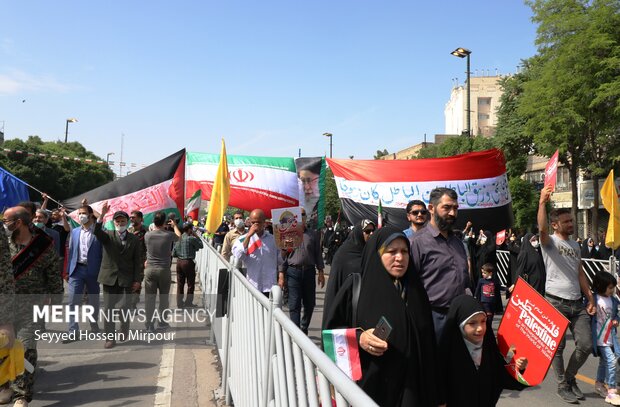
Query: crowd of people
[40,249]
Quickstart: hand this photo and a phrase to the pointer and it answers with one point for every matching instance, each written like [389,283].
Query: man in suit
[121,273]
[83,263]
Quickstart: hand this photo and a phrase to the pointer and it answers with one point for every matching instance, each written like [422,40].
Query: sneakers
[23,403]
[600,389]
[613,399]
[576,390]
[565,393]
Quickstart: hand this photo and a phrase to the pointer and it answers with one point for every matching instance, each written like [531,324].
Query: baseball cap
[120,214]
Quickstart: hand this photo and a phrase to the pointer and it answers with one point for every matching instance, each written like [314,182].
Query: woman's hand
[371,344]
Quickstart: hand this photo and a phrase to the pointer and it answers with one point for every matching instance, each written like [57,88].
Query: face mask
[39,224]
[483,240]
[239,224]
[7,231]
[83,219]
[535,244]
[120,229]
[488,277]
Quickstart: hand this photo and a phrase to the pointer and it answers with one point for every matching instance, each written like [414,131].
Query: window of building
[483,116]
[484,101]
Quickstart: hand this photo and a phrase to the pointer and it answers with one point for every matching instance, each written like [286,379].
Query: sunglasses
[421,212]
[368,231]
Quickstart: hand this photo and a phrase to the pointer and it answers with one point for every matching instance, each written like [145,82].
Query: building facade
[485,99]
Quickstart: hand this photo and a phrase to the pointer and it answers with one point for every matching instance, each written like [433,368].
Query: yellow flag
[219,194]
[609,195]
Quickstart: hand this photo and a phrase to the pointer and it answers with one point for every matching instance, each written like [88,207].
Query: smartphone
[383,329]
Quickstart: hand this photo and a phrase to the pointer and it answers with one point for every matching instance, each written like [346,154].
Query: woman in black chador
[530,265]
[399,371]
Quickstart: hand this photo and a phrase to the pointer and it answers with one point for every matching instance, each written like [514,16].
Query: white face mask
[239,224]
[7,231]
[120,229]
[83,219]
[535,244]
[483,240]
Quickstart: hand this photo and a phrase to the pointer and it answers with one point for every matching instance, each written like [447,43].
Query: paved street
[134,373]
[187,373]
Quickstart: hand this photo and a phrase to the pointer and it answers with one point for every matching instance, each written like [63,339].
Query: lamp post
[330,143]
[107,158]
[71,120]
[462,53]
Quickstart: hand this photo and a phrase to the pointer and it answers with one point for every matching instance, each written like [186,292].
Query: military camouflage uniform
[7,284]
[34,286]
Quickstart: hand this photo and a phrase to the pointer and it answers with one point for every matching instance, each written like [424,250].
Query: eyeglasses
[368,231]
[420,212]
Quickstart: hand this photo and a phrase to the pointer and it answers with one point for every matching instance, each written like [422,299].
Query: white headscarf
[475,349]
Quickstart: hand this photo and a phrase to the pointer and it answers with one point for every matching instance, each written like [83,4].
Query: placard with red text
[530,327]
[551,170]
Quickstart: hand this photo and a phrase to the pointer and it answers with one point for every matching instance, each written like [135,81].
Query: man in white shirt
[566,283]
[257,249]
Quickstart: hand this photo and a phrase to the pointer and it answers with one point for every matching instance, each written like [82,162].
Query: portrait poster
[530,327]
[311,176]
[551,170]
[287,227]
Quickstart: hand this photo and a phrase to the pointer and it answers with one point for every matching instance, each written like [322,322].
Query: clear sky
[270,77]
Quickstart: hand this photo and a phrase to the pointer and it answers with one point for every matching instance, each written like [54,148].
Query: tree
[571,99]
[524,203]
[57,177]
[455,146]
[332,201]
[381,154]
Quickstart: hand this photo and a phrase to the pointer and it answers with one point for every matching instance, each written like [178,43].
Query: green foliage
[380,154]
[524,203]
[332,202]
[455,146]
[57,177]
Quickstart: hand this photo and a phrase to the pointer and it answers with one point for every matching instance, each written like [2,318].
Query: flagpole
[41,192]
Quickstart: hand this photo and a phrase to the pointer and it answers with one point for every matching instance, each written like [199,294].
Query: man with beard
[439,256]
[137,229]
[565,286]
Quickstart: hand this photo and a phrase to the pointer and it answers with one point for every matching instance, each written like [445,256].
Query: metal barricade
[503,266]
[266,359]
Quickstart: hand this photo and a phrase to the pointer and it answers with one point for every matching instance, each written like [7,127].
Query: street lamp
[330,143]
[462,53]
[71,120]
[107,159]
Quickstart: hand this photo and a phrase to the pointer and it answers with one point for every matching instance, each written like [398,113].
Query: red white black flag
[479,180]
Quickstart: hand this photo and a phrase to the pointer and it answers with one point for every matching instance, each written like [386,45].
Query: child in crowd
[487,292]
[604,337]
[473,370]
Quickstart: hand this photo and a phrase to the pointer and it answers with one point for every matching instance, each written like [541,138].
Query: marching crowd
[38,251]
[436,287]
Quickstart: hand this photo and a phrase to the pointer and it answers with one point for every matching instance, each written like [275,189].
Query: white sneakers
[613,399]
[20,403]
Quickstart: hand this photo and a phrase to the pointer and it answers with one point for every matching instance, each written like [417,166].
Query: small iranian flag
[379,216]
[341,346]
[193,204]
[254,244]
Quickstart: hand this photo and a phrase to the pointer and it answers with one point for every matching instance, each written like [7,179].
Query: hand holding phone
[383,329]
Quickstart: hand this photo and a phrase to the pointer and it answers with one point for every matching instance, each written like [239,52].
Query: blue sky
[270,77]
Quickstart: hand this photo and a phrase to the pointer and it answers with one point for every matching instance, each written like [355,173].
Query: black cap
[119,214]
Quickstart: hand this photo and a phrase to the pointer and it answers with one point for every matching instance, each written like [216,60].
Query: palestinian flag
[193,205]
[255,182]
[479,180]
[341,346]
[158,187]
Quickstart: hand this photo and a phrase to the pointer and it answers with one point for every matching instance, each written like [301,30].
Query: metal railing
[590,266]
[266,359]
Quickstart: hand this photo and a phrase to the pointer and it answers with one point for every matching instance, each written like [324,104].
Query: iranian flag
[193,204]
[158,187]
[341,346]
[379,216]
[255,182]
[478,178]
[255,242]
